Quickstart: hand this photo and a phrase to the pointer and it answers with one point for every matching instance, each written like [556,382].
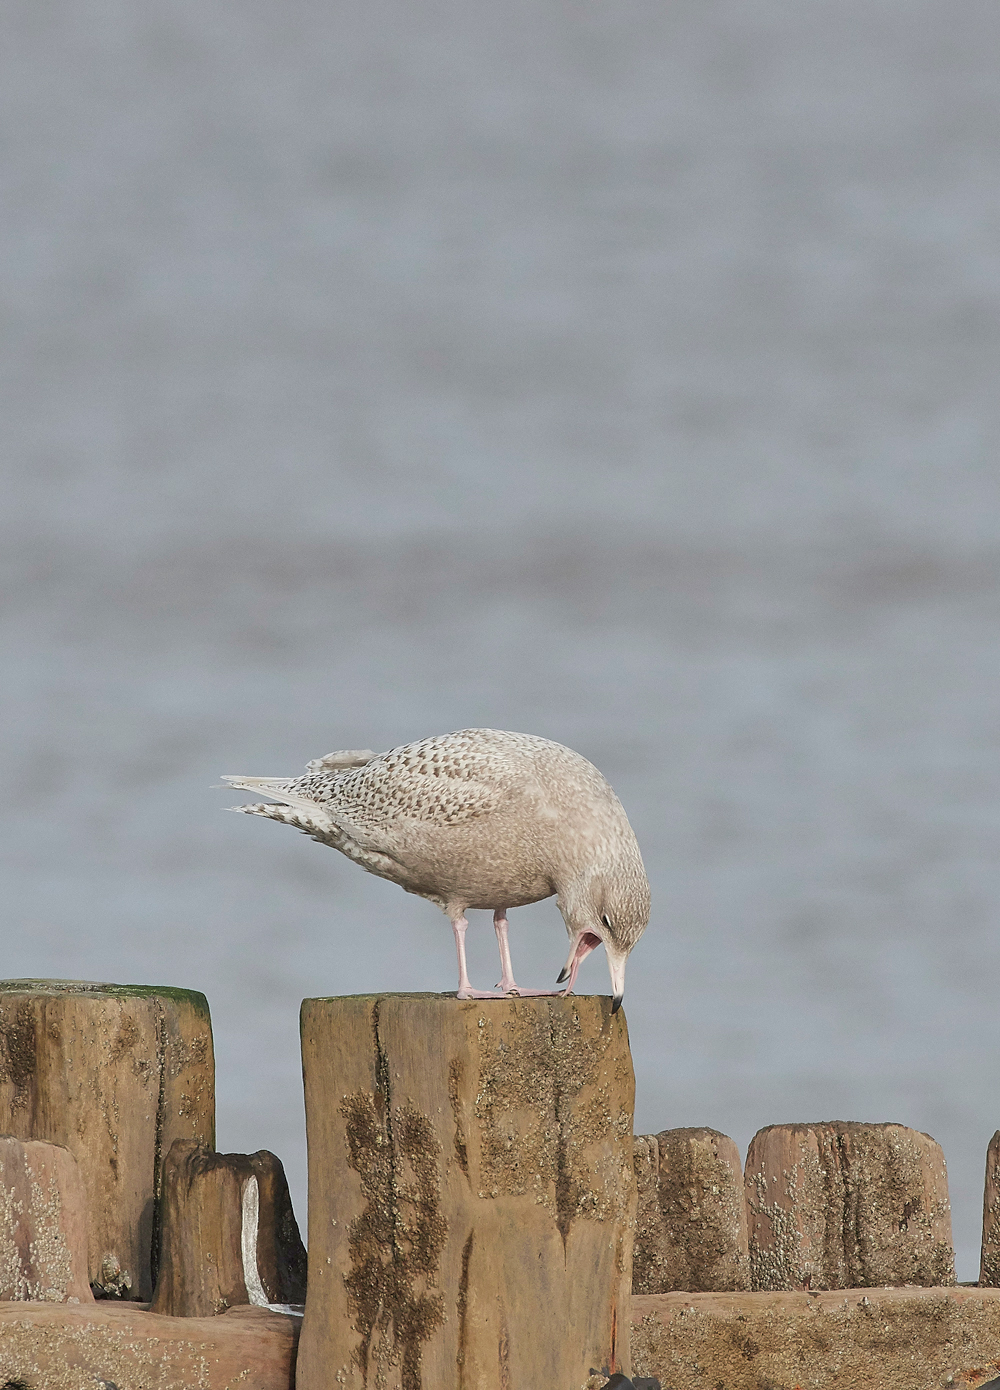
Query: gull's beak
[616,969]
[581,948]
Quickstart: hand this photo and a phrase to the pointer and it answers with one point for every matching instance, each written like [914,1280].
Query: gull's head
[609,905]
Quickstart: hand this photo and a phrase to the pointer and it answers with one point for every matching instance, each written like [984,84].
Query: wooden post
[43,1224]
[989,1262]
[114,1073]
[471,1193]
[844,1205]
[228,1235]
[692,1222]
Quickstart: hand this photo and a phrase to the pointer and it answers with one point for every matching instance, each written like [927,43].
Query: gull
[480,818]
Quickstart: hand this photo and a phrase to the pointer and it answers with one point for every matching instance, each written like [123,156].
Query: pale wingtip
[340,761]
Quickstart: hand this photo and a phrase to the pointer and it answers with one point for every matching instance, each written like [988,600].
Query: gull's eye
[606,920]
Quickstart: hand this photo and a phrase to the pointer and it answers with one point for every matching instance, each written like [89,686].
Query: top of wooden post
[450,995]
[193,997]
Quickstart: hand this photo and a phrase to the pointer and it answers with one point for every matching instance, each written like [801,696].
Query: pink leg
[465,991]
[507,982]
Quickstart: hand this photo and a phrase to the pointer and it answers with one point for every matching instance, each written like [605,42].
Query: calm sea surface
[623,373]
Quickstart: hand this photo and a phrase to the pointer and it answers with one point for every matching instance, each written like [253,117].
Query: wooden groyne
[480,1216]
[818,1207]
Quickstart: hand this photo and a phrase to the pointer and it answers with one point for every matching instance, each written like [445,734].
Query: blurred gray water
[625,374]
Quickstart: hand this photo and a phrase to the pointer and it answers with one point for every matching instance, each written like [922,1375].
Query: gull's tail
[294,808]
[276,787]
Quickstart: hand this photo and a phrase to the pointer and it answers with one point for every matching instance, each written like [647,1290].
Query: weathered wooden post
[989,1261]
[43,1225]
[471,1193]
[114,1073]
[844,1205]
[228,1234]
[691,1228]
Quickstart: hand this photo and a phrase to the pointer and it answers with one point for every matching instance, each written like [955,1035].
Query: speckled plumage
[480,818]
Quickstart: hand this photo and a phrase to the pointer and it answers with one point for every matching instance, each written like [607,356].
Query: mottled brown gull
[483,819]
